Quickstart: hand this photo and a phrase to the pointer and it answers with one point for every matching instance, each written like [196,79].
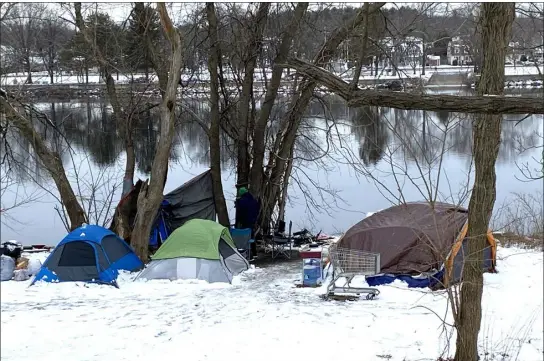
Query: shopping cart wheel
[370,296]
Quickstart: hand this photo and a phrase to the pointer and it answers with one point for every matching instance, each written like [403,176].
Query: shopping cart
[348,263]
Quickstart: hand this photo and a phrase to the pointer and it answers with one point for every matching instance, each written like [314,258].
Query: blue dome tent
[89,253]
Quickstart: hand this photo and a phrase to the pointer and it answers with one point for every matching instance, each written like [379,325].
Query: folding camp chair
[281,244]
[242,240]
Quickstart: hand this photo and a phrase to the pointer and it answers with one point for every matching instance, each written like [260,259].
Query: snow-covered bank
[262,316]
[203,75]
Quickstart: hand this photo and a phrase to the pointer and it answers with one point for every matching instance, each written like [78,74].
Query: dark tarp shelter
[416,238]
[192,200]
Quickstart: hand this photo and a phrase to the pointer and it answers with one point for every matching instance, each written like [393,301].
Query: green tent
[200,249]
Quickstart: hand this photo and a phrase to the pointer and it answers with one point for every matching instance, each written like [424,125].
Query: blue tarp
[160,231]
[413,282]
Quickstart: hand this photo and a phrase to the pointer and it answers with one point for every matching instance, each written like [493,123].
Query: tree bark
[482,103]
[50,160]
[28,70]
[259,141]
[151,194]
[362,55]
[254,43]
[496,24]
[157,61]
[285,186]
[213,134]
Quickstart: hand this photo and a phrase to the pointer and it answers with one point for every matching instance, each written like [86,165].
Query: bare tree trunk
[360,62]
[151,194]
[122,119]
[299,104]
[259,141]
[424,60]
[285,186]
[130,163]
[28,70]
[252,50]
[213,135]
[496,24]
[50,160]
[124,122]
[152,54]
[402,100]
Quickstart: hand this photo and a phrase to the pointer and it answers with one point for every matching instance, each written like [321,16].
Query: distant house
[458,52]
[538,54]
[514,53]
[519,53]
[433,60]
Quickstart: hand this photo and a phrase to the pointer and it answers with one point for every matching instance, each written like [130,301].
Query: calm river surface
[349,161]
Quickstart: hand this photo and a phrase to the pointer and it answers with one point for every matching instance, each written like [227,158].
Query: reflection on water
[349,153]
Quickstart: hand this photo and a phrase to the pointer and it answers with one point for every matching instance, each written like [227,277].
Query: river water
[348,162]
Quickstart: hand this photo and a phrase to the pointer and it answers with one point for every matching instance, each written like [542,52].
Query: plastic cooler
[312,270]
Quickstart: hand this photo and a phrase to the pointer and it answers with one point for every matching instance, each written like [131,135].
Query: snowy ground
[262,317]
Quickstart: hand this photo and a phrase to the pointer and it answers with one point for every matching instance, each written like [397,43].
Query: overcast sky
[120,11]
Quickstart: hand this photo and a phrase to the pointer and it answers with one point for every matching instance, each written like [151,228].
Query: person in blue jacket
[247,212]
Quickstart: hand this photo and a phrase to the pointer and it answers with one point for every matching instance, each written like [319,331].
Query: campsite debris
[12,249]
[305,237]
[312,268]
[7,267]
[22,263]
[20,275]
[34,266]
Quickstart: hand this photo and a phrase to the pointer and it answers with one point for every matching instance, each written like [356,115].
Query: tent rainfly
[417,238]
[200,249]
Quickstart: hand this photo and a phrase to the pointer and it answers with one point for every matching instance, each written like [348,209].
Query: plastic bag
[20,275]
[7,267]
[34,266]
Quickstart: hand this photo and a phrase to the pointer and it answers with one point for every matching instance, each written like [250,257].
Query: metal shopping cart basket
[348,263]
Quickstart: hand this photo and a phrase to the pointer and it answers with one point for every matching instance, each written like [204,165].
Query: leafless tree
[5,10]
[214,128]
[16,118]
[95,191]
[520,219]
[13,195]
[22,30]
[53,36]
[122,115]
[290,123]
[151,193]
[531,170]
[496,21]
